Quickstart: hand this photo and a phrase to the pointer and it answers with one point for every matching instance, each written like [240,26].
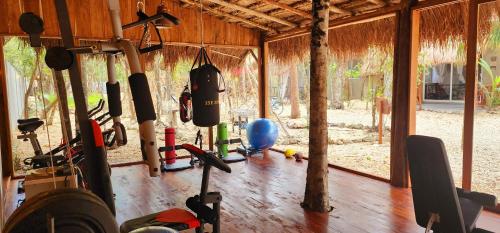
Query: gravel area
[373,158]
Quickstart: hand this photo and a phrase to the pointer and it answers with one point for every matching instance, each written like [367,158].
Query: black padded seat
[177,219]
[30,126]
[435,199]
[470,212]
[27,120]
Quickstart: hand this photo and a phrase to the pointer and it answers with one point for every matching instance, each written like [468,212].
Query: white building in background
[445,82]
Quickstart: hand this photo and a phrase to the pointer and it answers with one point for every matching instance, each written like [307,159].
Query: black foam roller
[114,99]
[143,103]
[202,210]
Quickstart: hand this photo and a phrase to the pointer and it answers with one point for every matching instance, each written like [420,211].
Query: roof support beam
[401,126]
[337,10]
[239,19]
[377,2]
[470,93]
[253,12]
[5,134]
[363,18]
[288,8]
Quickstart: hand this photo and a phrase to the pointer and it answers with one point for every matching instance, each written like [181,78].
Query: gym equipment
[59,58]
[33,25]
[185,105]
[170,161]
[298,156]
[40,160]
[139,87]
[205,90]
[97,170]
[262,134]
[289,153]
[42,180]
[180,219]
[62,210]
[222,142]
[114,103]
[439,206]
[157,21]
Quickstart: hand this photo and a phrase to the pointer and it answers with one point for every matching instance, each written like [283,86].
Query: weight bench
[439,206]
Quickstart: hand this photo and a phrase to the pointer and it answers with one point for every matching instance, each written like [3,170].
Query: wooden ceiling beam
[288,8]
[338,10]
[237,18]
[377,2]
[253,12]
[363,18]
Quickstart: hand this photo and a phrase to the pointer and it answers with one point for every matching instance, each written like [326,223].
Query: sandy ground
[373,158]
[351,143]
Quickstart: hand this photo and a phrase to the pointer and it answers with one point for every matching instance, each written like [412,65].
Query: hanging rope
[37,52]
[201,24]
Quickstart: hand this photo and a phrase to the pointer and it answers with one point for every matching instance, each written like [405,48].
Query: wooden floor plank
[263,195]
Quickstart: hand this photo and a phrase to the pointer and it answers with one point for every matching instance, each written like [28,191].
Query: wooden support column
[470,94]
[415,49]
[316,196]
[263,61]
[400,127]
[5,137]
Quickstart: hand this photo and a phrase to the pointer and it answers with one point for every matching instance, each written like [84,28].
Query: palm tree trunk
[294,92]
[316,193]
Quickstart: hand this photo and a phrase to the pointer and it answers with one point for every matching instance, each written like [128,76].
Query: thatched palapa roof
[440,27]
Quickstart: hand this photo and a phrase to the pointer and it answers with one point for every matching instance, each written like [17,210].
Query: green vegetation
[354,72]
[492,90]
[22,57]
[92,100]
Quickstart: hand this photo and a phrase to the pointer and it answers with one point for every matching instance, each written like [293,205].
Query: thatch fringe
[439,27]
[223,58]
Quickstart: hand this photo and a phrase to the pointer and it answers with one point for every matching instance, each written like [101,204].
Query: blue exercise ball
[262,133]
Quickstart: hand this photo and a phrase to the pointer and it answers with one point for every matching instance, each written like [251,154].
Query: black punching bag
[205,91]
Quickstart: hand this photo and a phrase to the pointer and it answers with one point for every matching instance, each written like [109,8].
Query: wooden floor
[263,195]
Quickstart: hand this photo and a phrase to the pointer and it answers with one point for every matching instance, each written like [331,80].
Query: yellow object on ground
[289,153]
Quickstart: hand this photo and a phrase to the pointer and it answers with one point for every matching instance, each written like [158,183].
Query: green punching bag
[222,139]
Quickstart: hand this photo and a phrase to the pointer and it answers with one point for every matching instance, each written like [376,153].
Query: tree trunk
[62,95]
[29,89]
[294,92]
[48,108]
[158,89]
[316,194]
[306,92]
[51,112]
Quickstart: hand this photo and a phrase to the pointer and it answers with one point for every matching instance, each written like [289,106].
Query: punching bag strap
[196,60]
[207,58]
[221,78]
[202,58]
